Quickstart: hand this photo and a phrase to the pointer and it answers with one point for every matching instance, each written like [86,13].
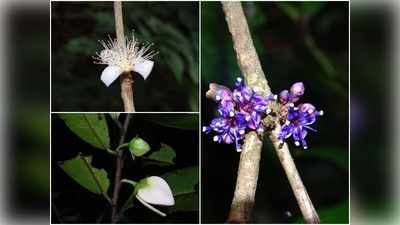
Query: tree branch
[244,195]
[118,172]
[126,79]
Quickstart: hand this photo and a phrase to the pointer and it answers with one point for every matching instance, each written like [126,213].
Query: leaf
[175,64]
[182,121]
[311,8]
[91,128]
[80,45]
[187,202]
[334,154]
[334,215]
[182,183]
[166,154]
[138,147]
[81,170]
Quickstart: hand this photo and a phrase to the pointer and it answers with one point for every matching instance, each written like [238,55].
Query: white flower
[154,190]
[130,56]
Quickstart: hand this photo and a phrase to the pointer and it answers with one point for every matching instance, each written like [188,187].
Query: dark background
[306,42]
[171,26]
[73,204]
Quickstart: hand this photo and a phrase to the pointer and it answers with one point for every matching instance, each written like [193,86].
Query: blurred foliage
[172,27]
[295,41]
[373,75]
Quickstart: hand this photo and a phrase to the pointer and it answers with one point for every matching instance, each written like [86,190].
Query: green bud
[138,147]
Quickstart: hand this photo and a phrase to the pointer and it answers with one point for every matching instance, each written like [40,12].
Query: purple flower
[297,119]
[239,111]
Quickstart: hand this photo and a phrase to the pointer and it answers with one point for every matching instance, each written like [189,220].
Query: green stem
[122,146]
[129,182]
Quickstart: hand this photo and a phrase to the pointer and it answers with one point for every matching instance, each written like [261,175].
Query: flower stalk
[126,79]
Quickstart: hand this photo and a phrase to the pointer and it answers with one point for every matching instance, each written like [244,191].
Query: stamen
[216,138]
[321,113]
[231,114]
[204,128]
[296,143]
[217,98]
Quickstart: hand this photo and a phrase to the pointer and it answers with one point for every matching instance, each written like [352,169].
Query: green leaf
[81,170]
[91,128]
[175,63]
[182,121]
[334,154]
[166,154]
[338,214]
[80,45]
[138,147]
[311,8]
[187,202]
[182,183]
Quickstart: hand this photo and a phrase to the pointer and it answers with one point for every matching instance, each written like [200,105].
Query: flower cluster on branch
[242,110]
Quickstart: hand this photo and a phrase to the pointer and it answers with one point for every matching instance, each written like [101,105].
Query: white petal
[109,74]
[156,192]
[144,68]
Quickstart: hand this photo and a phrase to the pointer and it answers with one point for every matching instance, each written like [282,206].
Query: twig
[125,78]
[118,171]
[244,195]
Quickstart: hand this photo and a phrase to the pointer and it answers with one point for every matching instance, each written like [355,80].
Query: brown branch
[126,79]
[246,184]
[118,172]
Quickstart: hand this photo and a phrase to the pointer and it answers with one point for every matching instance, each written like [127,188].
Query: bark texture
[246,184]
[126,79]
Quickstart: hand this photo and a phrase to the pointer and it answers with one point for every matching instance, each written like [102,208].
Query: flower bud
[155,190]
[138,147]
[307,107]
[297,89]
[284,97]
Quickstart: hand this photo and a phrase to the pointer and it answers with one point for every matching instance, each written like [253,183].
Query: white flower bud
[156,191]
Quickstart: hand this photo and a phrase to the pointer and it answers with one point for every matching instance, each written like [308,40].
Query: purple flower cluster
[296,118]
[239,111]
